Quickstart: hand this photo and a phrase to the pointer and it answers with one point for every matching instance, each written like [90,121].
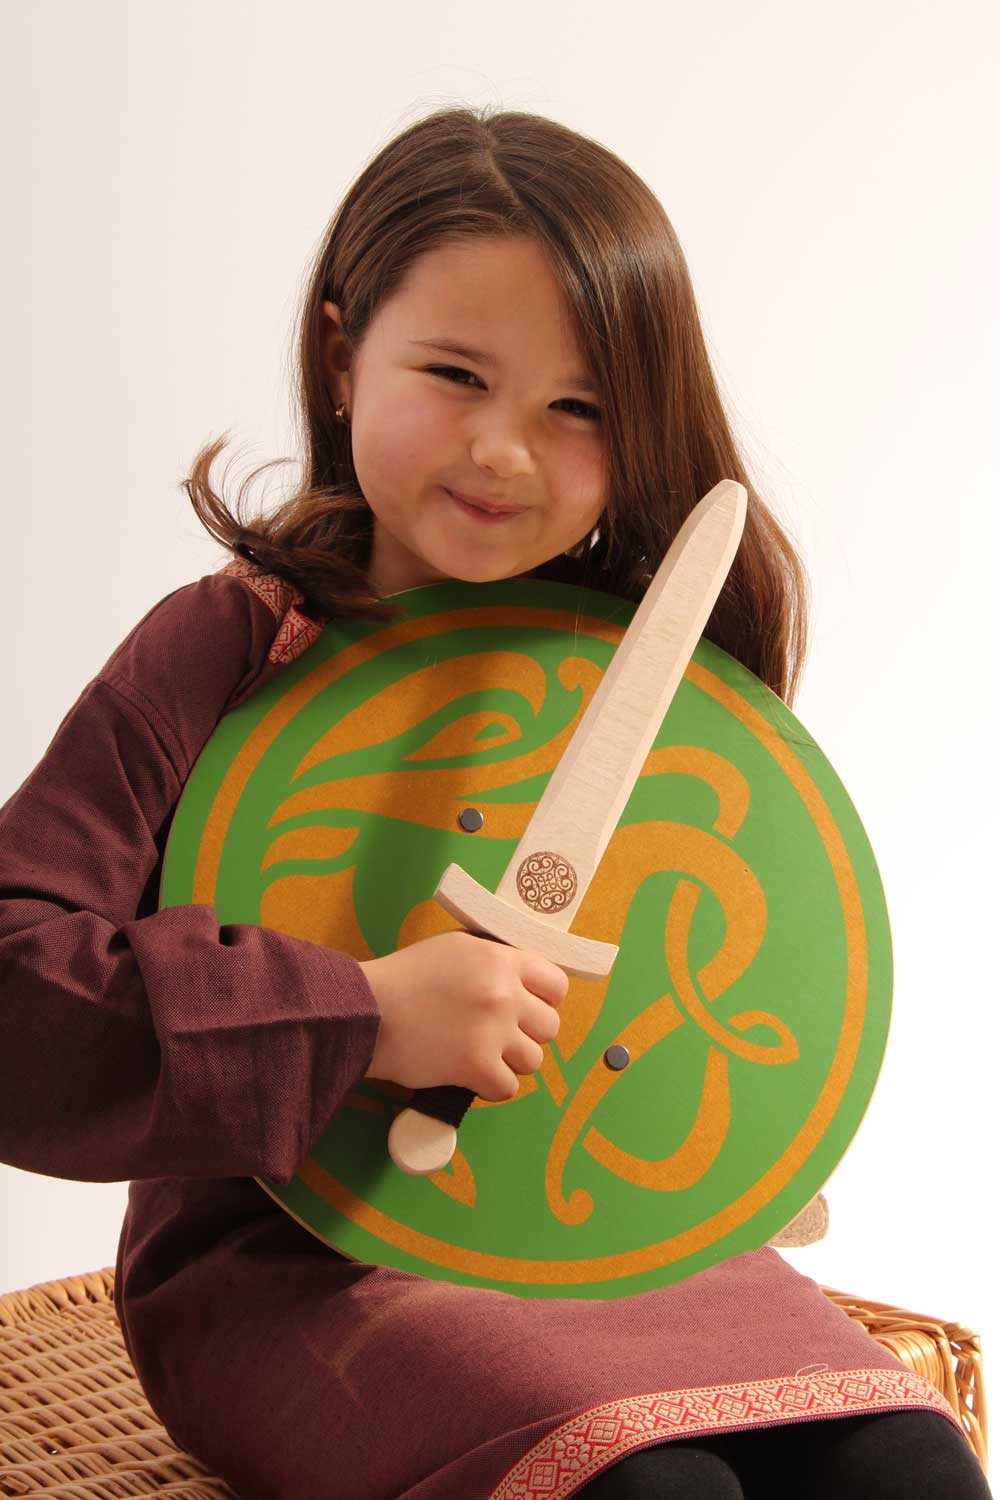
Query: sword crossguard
[421,1142]
[484,911]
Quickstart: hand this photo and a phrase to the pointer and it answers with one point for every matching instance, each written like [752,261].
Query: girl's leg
[897,1455]
[688,1469]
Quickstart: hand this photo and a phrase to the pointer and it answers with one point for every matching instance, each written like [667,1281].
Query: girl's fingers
[539,1021]
[543,978]
[524,1055]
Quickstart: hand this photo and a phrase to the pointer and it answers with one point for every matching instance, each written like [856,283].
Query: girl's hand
[465,1010]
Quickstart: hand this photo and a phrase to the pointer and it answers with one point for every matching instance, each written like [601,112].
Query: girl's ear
[336,353]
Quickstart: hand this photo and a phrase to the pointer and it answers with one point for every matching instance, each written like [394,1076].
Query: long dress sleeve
[141,1043]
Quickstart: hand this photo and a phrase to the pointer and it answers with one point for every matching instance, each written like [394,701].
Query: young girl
[502,374]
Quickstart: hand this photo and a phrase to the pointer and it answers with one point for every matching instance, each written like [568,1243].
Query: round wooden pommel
[546,881]
[419,1144]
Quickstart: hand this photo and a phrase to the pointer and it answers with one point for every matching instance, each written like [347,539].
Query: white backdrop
[168,171]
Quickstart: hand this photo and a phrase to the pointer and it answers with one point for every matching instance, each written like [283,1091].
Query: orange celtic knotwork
[633,855]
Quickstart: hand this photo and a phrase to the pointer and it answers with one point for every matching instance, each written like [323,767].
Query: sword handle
[423,1136]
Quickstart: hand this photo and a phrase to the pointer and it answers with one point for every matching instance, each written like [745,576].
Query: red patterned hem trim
[296,632]
[578,1450]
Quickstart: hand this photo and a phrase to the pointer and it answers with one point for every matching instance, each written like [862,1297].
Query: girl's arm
[144,1043]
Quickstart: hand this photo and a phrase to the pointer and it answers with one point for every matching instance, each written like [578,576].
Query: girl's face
[510,421]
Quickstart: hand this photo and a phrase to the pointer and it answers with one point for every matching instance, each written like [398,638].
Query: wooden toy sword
[550,870]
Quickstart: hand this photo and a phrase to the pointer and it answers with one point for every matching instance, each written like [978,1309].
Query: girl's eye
[449,370]
[586,411]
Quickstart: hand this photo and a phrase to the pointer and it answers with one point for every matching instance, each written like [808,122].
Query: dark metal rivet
[617,1057]
[471,819]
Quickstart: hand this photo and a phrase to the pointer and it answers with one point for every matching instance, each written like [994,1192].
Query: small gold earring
[341,414]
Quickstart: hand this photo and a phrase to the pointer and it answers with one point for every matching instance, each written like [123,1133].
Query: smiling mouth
[483,507]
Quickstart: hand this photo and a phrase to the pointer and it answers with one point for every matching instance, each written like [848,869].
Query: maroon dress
[189,1057]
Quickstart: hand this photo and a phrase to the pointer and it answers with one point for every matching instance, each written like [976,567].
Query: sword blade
[587,792]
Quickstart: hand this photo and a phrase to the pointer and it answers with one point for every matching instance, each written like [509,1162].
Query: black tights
[898,1455]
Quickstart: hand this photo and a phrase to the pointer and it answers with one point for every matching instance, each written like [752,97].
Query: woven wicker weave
[74,1423]
[946,1354]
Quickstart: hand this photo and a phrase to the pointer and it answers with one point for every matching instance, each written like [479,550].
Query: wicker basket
[74,1422]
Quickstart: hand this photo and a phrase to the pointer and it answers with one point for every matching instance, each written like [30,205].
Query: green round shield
[751,992]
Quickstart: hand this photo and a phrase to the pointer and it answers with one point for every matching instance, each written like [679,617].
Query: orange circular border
[650,1257]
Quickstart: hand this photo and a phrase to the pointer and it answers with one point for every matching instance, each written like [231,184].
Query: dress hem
[579,1449]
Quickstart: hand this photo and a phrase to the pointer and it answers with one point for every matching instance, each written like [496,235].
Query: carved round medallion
[546,881]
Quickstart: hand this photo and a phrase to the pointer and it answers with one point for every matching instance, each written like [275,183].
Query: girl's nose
[499,444]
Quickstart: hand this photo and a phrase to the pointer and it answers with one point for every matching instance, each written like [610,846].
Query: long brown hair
[462,173]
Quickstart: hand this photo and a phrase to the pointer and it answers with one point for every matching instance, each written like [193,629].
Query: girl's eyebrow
[480,357]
